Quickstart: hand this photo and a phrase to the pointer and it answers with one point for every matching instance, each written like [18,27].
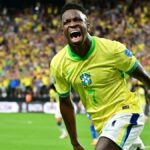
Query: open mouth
[75,36]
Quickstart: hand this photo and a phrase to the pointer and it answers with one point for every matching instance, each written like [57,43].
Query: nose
[73,24]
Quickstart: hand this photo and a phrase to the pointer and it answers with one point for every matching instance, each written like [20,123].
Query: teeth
[73,32]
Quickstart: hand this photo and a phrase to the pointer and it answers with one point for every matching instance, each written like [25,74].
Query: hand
[78,147]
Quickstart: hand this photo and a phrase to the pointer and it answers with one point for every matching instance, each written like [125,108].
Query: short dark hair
[76,6]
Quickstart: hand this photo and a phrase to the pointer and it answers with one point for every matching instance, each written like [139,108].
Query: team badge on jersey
[86,80]
[128,53]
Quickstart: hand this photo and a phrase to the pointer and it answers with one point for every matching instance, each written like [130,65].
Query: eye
[66,22]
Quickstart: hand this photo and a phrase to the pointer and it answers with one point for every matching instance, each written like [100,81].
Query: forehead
[73,13]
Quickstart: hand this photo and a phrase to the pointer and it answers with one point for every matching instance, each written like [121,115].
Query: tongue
[76,39]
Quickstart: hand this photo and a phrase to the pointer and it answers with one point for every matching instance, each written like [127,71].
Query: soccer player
[95,68]
[54,97]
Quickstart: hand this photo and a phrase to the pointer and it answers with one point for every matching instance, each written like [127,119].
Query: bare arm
[140,74]
[67,111]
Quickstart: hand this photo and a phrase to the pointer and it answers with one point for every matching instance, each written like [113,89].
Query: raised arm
[140,74]
[67,111]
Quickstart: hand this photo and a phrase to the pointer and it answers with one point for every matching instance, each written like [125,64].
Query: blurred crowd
[30,37]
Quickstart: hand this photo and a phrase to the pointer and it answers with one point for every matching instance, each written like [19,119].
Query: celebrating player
[95,68]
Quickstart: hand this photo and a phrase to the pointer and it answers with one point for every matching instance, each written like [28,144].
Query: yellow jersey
[99,78]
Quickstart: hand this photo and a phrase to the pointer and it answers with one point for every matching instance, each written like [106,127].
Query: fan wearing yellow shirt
[95,68]
[54,97]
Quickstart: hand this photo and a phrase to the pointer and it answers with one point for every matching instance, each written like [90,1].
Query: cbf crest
[86,79]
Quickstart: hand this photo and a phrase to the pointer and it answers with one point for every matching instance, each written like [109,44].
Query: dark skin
[66,108]
[140,74]
[75,20]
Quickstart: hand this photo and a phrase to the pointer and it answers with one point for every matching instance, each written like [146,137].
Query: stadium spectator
[29,45]
[95,68]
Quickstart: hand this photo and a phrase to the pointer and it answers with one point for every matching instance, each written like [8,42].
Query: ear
[88,27]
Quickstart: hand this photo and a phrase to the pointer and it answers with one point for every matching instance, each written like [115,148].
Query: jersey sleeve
[61,85]
[124,59]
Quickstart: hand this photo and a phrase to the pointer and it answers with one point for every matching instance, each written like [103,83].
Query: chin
[75,43]
[78,43]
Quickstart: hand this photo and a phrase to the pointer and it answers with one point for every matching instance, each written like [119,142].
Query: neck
[82,50]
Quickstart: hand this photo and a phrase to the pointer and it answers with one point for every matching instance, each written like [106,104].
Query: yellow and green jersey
[99,78]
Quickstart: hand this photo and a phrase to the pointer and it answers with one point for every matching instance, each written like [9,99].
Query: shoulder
[109,45]
[102,40]
[107,42]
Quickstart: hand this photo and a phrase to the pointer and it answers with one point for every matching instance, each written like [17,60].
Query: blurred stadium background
[30,35]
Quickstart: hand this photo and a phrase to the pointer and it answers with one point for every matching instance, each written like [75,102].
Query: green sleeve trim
[133,68]
[64,95]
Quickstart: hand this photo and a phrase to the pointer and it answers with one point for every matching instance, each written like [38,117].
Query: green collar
[76,57]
